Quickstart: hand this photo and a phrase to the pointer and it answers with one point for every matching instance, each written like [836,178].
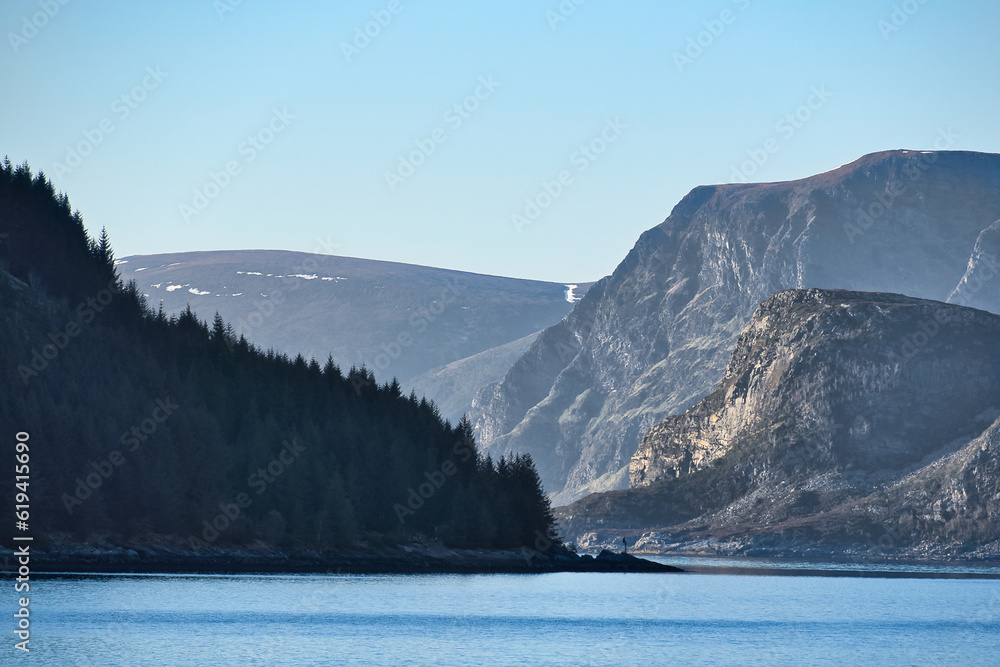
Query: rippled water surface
[548,619]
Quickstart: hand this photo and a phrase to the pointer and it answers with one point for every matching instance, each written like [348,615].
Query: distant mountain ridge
[845,421]
[397,319]
[651,339]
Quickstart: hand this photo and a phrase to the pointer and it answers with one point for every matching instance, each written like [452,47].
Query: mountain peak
[654,337]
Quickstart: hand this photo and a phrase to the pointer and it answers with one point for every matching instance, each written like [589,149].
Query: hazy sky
[228,124]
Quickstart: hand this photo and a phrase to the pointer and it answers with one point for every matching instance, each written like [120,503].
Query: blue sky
[258,125]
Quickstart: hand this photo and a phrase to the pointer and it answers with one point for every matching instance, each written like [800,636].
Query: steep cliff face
[836,375]
[654,337]
[979,287]
[842,417]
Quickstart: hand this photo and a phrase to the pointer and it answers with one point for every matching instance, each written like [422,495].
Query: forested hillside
[146,425]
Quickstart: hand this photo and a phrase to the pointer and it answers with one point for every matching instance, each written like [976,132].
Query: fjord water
[544,619]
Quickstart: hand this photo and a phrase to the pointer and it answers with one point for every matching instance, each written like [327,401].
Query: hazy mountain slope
[977,287]
[454,385]
[398,319]
[842,416]
[655,336]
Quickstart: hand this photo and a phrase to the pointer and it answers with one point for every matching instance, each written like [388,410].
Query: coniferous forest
[146,425]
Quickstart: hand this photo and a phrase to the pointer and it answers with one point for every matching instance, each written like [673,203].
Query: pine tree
[104,254]
[218,329]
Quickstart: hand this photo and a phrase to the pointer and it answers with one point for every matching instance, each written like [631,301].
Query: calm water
[550,619]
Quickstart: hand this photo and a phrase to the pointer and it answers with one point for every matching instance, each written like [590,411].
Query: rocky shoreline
[412,559]
[883,551]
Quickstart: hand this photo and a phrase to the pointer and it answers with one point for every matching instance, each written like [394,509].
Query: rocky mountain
[399,320]
[653,338]
[844,420]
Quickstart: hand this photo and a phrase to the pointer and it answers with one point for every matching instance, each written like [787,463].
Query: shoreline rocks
[411,559]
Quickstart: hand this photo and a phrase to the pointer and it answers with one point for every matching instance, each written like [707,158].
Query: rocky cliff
[976,288]
[653,338]
[843,419]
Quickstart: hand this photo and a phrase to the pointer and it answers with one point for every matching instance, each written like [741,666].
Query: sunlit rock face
[653,338]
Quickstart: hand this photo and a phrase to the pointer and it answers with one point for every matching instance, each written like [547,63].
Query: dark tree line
[142,424]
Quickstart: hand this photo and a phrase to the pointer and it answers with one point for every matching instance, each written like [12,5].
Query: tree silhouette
[196,417]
